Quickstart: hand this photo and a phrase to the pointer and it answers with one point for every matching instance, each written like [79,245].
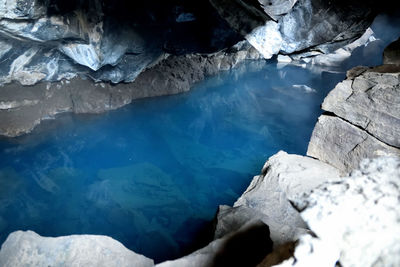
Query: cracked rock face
[365,120]
[30,249]
[356,220]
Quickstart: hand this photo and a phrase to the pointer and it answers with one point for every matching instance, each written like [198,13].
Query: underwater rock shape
[30,249]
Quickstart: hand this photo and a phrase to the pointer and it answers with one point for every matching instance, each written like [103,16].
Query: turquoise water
[153,173]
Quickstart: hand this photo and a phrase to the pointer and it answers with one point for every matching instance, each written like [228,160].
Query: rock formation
[130,44]
[22,108]
[30,249]
[283,177]
[297,201]
[355,220]
[363,119]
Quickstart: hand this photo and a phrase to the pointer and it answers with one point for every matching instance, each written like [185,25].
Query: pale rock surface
[284,177]
[338,56]
[370,101]
[284,59]
[266,39]
[30,249]
[344,145]
[356,220]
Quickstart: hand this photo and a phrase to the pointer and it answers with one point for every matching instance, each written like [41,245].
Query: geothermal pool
[152,174]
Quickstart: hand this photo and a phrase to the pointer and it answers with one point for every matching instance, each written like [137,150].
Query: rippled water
[153,173]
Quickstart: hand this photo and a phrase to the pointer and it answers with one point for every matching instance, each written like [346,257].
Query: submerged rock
[356,220]
[30,249]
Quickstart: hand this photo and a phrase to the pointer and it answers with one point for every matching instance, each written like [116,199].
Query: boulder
[30,249]
[267,198]
[356,220]
[370,101]
[343,145]
[362,119]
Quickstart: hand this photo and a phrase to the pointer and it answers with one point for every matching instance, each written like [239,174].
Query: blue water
[153,173]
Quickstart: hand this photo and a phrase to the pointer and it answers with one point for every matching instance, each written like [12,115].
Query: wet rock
[284,177]
[355,220]
[30,249]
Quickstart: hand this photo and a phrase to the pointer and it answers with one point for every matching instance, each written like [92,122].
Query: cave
[199,133]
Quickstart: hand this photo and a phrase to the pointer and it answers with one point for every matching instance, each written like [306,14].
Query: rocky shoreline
[337,206]
[85,59]
[300,211]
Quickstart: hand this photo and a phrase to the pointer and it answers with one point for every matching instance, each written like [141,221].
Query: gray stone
[284,177]
[344,145]
[370,101]
[356,220]
[30,249]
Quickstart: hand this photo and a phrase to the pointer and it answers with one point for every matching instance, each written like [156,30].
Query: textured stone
[30,249]
[370,101]
[22,108]
[344,145]
[356,220]
[284,177]
[315,22]
[298,25]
